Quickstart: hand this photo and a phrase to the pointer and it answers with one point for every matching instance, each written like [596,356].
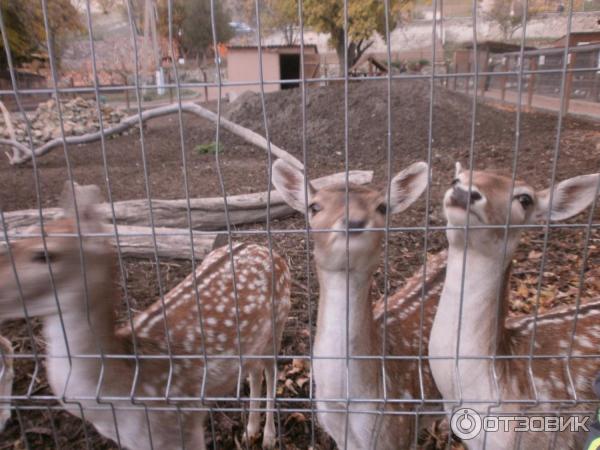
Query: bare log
[131,121]
[137,242]
[172,243]
[206,213]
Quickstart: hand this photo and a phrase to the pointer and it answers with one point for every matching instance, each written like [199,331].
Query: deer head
[36,266]
[366,209]
[492,200]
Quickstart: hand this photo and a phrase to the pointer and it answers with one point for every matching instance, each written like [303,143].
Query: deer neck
[79,331]
[481,319]
[345,326]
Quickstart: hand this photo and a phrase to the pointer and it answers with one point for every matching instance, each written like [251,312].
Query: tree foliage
[106,5]
[508,15]
[365,17]
[275,15]
[26,33]
[191,25]
[281,15]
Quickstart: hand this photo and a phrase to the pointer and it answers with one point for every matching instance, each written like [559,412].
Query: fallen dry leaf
[296,417]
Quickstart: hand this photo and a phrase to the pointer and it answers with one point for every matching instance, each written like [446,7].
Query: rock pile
[80,116]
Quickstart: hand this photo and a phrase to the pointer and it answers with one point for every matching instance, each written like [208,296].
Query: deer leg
[253,428]
[197,441]
[269,434]
[6,379]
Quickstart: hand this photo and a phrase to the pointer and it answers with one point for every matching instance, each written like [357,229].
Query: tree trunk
[342,51]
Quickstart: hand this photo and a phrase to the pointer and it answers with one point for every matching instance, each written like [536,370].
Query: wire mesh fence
[379,315]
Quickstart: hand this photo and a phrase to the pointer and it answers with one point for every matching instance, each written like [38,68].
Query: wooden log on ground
[172,243]
[137,242]
[206,213]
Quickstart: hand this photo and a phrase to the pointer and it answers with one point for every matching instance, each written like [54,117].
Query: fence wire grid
[38,419]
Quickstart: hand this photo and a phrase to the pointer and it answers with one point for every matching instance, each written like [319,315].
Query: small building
[584,84]
[463,57]
[279,63]
[578,38]
[488,56]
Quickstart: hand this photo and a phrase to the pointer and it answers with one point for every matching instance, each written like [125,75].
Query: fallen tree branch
[131,121]
[206,213]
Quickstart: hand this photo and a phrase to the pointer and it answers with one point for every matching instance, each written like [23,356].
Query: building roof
[592,36]
[272,47]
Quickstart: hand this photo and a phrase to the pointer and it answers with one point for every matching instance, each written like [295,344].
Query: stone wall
[80,116]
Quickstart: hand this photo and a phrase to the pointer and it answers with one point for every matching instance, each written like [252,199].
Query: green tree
[365,17]
[191,25]
[25,31]
[508,15]
[281,15]
[106,5]
[275,15]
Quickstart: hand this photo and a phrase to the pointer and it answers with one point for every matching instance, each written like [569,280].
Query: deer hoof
[269,440]
[250,437]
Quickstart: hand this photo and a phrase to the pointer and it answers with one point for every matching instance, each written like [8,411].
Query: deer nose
[475,196]
[463,197]
[355,223]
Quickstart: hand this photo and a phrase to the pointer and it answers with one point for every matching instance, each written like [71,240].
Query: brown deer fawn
[145,387]
[475,295]
[350,380]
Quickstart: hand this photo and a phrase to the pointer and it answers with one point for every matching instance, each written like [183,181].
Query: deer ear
[290,183]
[457,169]
[88,197]
[570,197]
[407,186]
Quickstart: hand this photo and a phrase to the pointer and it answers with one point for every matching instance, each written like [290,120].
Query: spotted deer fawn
[347,369]
[477,380]
[119,389]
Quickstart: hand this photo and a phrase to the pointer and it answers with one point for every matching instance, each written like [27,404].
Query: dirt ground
[244,169]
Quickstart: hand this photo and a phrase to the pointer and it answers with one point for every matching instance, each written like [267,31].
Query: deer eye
[525,200]
[455,182]
[382,209]
[314,208]
[40,257]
